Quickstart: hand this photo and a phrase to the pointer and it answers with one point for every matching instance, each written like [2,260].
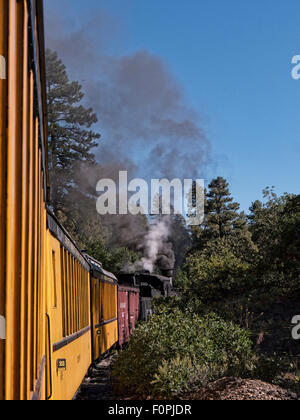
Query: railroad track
[98,385]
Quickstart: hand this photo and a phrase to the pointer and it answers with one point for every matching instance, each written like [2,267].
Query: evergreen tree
[71,138]
[222,213]
[222,219]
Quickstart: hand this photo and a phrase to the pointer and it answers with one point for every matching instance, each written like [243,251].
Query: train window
[71,295]
[54,280]
[63,290]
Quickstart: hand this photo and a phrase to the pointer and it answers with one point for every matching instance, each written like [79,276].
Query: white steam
[154,243]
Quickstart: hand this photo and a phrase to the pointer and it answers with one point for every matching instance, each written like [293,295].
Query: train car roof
[96,268]
[65,239]
[89,263]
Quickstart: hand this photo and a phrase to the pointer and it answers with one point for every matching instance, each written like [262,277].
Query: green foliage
[265,218]
[275,226]
[217,274]
[179,238]
[241,268]
[162,352]
[70,137]
[269,367]
[181,279]
[233,259]
[223,260]
[222,218]
[114,259]
[178,376]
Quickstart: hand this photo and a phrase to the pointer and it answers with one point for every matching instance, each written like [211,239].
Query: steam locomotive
[150,286]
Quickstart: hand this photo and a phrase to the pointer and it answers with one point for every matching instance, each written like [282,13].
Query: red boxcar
[128,305]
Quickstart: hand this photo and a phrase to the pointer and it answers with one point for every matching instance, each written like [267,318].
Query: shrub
[175,350]
[269,367]
[177,376]
[218,275]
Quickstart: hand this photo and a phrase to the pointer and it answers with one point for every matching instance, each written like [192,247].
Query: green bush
[269,367]
[174,351]
[218,275]
[178,376]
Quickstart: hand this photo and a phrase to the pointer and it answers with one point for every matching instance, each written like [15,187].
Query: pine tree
[71,138]
[222,216]
[224,224]
[222,213]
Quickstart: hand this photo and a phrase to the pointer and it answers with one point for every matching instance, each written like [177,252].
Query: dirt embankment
[240,389]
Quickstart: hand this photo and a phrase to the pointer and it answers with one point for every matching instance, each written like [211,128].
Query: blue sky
[233,60]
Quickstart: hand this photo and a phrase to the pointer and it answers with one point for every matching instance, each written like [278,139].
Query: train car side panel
[22,202]
[110,321]
[14,191]
[109,336]
[104,314]
[123,314]
[129,310]
[69,330]
[70,363]
[134,303]
[3,144]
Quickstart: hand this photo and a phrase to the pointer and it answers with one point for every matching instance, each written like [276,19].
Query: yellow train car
[68,337]
[58,311]
[104,309]
[23,190]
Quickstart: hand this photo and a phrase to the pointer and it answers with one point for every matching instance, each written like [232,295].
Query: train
[60,310]
[149,287]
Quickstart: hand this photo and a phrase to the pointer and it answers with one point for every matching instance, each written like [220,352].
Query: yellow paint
[104,309]
[78,359]
[77,354]
[25,182]
[22,213]
[38,275]
[3,144]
